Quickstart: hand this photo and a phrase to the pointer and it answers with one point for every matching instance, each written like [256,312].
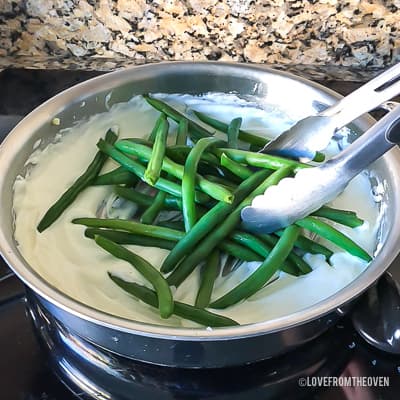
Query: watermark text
[344,381]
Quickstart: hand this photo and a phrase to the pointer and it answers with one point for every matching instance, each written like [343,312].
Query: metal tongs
[313,133]
[295,198]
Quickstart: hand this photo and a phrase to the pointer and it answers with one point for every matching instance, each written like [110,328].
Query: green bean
[255,148]
[178,225]
[152,212]
[179,153]
[160,232]
[153,170]
[182,133]
[309,246]
[221,181]
[141,141]
[233,132]
[344,217]
[263,249]
[212,189]
[151,274]
[319,157]
[209,163]
[141,199]
[196,131]
[256,142]
[210,220]
[189,179]
[221,126]
[130,226]
[230,265]
[238,251]
[153,133]
[144,200]
[225,173]
[292,257]
[333,235]
[263,273]
[208,275]
[302,265]
[205,246]
[118,176]
[261,160]
[236,168]
[173,203]
[136,168]
[85,180]
[186,311]
[122,237]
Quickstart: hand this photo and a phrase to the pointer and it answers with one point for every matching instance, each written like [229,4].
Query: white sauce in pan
[78,267]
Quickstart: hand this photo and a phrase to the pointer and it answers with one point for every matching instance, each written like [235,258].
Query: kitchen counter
[342,39]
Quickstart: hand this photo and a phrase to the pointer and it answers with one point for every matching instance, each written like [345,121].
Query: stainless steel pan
[183,347]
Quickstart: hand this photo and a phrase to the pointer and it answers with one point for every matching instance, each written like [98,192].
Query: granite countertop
[107,34]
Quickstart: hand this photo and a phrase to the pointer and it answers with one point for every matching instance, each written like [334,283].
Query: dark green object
[118,176]
[151,274]
[221,126]
[256,142]
[319,157]
[309,246]
[182,133]
[203,249]
[292,257]
[222,181]
[85,180]
[238,251]
[209,274]
[189,180]
[130,226]
[139,198]
[153,170]
[263,249]
[196,131]
[236,168]
[159,232]
[212,189]
[179,153]
[122,237]
[144,200]
[333,235]
[261,160]
[344,217]
[210,220]
[233,132]
[153,133]
[149,216]
[138,169]
[263,273]
[186,311]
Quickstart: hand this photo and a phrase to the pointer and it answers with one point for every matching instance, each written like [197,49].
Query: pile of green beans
[205,185]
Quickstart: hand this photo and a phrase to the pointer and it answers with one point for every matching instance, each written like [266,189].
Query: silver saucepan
[184,347]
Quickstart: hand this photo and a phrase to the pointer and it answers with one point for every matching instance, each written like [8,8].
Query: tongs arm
[369,96]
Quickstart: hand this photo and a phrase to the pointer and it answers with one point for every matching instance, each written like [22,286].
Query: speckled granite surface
[107,34]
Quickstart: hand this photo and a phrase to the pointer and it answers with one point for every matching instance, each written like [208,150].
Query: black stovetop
[25,372]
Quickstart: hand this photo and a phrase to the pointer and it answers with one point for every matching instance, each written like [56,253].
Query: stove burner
[86,368]
[90,372]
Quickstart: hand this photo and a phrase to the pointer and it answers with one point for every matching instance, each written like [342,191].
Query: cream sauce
[78,267]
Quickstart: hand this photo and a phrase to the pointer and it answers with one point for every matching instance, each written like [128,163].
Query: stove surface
[26,372]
